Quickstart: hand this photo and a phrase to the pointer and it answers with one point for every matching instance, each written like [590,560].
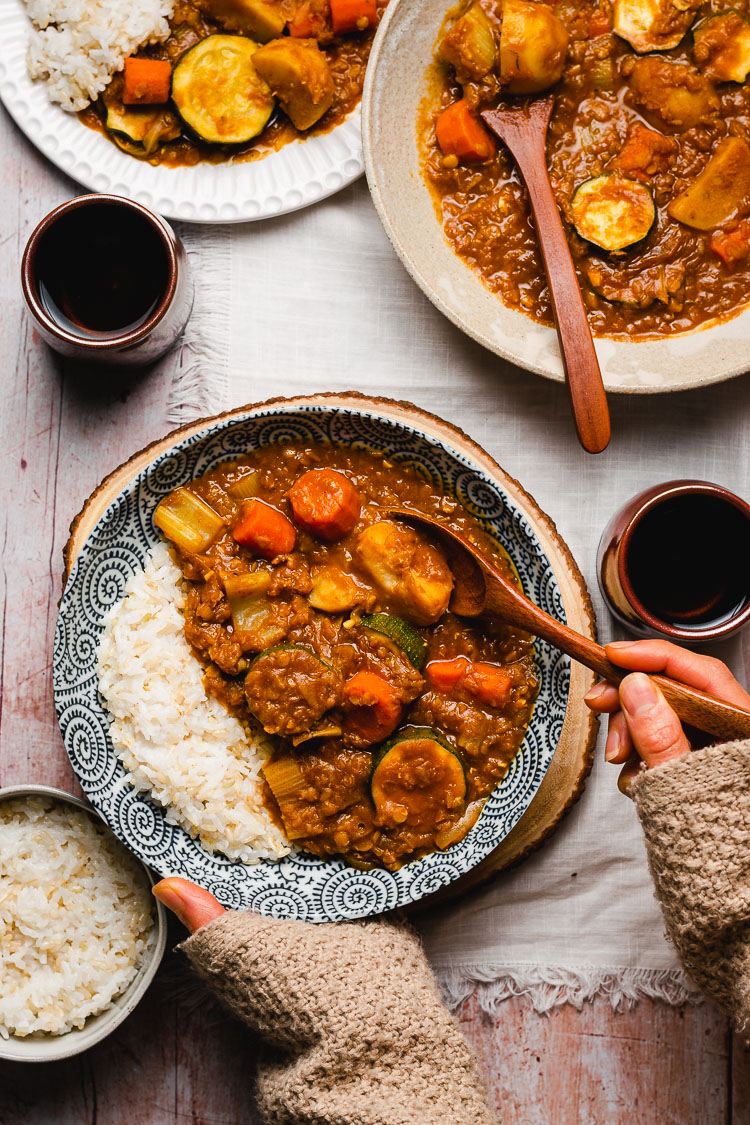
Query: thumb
[192,905]
[656,731]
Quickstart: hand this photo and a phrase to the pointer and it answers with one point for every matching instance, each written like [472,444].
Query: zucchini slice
[417,779]
[611,212]
[141,129]
[646,26]
[405,635]
[219,94]
[721,46]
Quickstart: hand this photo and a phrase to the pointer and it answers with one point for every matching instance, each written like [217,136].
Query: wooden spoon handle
[713,716]
[585,387]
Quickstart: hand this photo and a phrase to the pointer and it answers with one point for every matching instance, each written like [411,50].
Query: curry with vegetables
[648,154]
[237,79]
[327,625]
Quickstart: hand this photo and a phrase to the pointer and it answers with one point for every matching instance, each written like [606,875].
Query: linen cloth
[317,300]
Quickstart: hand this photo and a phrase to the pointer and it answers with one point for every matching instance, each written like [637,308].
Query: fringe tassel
[200,383]
[548,988]
[545,989]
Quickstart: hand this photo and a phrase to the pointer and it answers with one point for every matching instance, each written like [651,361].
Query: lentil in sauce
[607,102]
[327,624]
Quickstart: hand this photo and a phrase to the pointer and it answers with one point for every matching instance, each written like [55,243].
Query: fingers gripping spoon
[482,590]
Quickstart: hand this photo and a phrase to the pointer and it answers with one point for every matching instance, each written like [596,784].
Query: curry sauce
[326,624]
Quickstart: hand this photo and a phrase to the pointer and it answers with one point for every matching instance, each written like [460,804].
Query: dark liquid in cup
[689,561]
[101,271]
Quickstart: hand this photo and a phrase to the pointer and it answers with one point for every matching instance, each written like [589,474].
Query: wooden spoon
[523,128]
[482,590]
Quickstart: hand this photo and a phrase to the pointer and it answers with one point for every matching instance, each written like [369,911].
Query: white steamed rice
[77,45]
[178,743]
[75,915]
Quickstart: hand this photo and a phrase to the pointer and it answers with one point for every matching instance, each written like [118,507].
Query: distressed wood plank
[62,427]
[740,1083]
[595,1067]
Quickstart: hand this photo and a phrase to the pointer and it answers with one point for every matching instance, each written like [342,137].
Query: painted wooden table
[178,1058]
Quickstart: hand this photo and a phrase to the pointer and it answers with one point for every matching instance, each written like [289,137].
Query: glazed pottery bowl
[395,85]
[132,346]
[48,1048]
[727,537]
[110,543]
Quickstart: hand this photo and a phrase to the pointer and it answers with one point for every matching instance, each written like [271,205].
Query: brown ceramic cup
[107,280]
[674,562]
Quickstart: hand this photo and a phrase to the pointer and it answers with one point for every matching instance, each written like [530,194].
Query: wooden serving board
[565,779]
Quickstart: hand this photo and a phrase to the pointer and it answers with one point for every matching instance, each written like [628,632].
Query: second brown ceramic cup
[106,280]
[674,562]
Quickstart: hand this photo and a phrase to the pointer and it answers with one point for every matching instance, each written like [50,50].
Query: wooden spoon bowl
[482,590]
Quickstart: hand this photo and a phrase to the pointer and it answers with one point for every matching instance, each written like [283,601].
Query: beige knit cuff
[695,773]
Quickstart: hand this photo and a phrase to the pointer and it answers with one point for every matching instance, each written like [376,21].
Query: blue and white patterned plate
[300,886]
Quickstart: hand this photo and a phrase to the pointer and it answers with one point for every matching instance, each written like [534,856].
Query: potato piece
[677,95]
[653,25]
[260,19]
[411,571]
[298,74]
[720,191]
[533,45]
[470,46]
[334,591]
[721,47]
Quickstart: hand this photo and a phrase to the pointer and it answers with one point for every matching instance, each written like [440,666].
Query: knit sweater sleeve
[695,814]
[350,1014]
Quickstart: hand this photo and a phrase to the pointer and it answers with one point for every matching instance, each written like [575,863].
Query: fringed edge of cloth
[550,987]
[200,383]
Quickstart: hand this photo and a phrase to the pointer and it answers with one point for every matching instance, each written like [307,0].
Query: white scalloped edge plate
[299,174]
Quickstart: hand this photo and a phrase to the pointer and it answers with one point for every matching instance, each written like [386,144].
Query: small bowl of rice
[81,935]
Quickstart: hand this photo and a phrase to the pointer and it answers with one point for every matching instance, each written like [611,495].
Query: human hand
[192,905]
[642,725]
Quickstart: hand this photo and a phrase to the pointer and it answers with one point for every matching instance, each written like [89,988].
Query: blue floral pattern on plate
[299,886]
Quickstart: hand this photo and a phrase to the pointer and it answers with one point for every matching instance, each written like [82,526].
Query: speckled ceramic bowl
[48,1048]
[110,541]
[394,88]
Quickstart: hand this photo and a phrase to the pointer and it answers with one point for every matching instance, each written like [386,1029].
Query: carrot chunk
[488,684]
[444,675]
[732,246]
[264,529]
[310,21]
[325,503]
[376,710]
[644,154]
[353,15]
[459,134]
[599,24]
[147,81]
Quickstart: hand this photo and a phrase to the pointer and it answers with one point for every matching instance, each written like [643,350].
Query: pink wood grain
[739,1112]
[174,1062]
[653,1066]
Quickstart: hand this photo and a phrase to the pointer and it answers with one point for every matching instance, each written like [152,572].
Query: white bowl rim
[53,1047]
[378,181]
